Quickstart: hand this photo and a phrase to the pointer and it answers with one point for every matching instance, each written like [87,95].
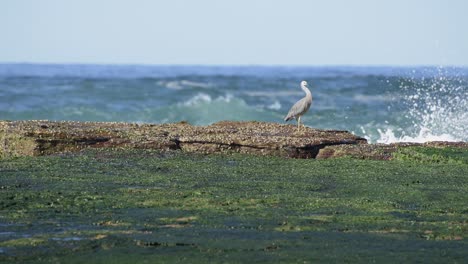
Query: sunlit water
[382,104]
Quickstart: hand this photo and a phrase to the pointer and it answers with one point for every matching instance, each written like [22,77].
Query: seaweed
[128,205]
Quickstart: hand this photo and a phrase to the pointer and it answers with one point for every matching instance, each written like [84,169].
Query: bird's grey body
[301,106]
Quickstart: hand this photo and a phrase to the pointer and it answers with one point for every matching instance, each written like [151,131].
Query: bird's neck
[306,90]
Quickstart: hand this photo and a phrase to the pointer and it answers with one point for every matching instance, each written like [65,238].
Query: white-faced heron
[301,106]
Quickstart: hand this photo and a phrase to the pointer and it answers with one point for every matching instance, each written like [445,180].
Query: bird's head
[304,83]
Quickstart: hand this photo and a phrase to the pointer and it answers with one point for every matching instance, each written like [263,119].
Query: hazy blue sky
[298,32]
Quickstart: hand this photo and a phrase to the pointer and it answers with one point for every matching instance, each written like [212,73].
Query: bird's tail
[287,118]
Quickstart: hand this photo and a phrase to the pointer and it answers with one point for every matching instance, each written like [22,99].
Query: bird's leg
[299,123]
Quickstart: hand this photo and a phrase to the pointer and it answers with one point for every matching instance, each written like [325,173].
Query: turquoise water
[383,104]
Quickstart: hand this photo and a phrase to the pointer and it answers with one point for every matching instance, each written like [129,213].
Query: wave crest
[436,110]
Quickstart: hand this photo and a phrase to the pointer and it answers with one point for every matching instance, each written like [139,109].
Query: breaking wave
[436,110]
[203,109]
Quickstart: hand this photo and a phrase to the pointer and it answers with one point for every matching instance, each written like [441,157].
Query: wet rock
[36,137]
[379,151]
[363,151]
[30,138]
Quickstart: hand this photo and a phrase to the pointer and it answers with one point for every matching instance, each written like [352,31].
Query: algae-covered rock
[30,138]
[362,151]
[380,151]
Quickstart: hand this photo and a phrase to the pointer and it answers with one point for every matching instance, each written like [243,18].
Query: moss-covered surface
[127,206]
[432,155]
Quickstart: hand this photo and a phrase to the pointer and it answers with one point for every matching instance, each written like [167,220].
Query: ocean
[382,104]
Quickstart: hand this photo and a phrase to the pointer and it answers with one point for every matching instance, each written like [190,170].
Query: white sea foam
[275,106]
[388,136]
[195,84]
[201,98]
[174,85]
[437,109]
[182,84]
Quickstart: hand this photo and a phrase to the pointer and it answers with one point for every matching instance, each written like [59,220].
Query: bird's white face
[304,83]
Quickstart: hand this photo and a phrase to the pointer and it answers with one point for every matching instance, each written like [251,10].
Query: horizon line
[235,65]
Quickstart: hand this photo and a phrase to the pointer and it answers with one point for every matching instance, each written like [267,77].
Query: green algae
[433,155]
[123,206]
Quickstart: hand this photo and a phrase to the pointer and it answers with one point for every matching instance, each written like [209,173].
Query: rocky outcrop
[33,138]
[30,138]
